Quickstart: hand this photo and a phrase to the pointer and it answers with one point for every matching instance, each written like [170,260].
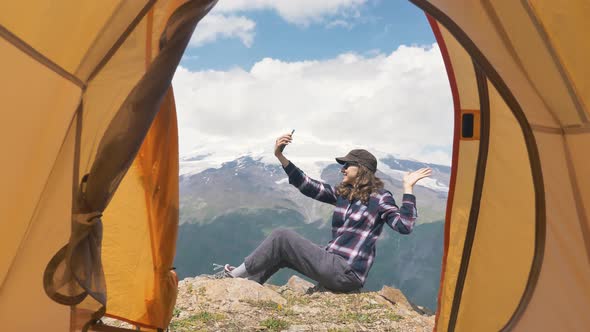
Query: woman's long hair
[364,185]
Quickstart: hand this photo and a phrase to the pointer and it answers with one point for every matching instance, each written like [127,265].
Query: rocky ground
[206,304]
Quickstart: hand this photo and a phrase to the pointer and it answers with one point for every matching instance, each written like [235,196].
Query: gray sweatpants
[285,248]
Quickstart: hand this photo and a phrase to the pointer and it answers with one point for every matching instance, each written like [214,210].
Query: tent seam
[576,130]
[547,129]
[492,14]
[39,57]
[98,36]
[121,39]
[567,81]
[567,130]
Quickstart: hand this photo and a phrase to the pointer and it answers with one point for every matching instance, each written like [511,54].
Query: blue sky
[344,73]
[381,25]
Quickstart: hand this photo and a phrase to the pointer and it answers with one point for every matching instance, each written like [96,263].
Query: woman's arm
[315,189]
[399,219]
[403,219]
[284,161]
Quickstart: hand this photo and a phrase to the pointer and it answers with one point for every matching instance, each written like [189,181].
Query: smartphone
[283,146]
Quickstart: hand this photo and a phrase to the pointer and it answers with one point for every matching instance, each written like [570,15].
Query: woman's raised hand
[411,178]
[281,142]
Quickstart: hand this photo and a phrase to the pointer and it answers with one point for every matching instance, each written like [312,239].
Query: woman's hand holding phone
[280,144]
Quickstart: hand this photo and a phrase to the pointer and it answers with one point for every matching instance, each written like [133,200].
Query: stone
[425,311]
[299,285]
[395,296]
[237,289]
[381,300]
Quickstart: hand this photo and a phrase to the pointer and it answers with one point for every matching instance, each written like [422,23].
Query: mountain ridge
[253,183]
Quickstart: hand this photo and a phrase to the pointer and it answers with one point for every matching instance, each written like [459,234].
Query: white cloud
[301,12]
[215,26]
[398,103]
[223,22]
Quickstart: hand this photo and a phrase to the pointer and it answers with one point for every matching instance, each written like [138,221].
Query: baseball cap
[362,157]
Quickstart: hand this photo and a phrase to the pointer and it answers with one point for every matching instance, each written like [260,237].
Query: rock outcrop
[206,304]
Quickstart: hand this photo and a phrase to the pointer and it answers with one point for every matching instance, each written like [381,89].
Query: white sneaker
[225,271]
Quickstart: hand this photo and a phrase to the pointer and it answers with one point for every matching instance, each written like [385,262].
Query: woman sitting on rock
[362,207]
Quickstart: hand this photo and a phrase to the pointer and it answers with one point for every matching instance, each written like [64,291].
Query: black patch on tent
[467,125]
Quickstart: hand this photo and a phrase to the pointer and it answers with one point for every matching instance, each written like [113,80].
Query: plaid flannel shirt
[357,226]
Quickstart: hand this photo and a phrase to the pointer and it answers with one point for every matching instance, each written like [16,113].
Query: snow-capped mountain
[394,166]
[210,187]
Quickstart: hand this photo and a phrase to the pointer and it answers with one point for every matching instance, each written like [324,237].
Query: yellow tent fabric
[517,239]
[88,109]
[149,193]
